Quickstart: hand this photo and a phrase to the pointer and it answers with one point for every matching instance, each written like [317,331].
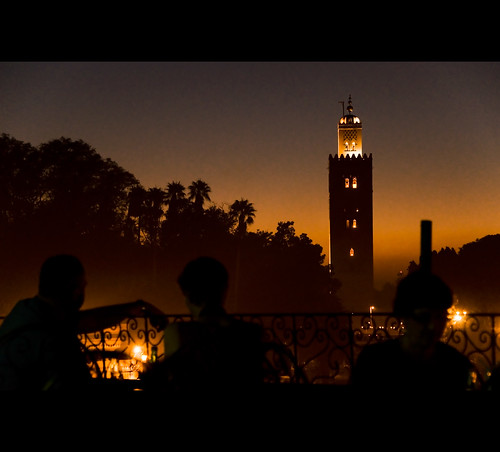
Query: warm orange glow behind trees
[135,240]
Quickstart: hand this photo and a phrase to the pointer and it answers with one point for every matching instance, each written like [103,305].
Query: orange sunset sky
[263,131]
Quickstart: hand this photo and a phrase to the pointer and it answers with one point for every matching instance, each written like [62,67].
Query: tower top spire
[349,106]
[349,118]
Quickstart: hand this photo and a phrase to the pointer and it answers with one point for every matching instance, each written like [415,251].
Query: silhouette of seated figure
[418,360]
[214,349]
[39,347]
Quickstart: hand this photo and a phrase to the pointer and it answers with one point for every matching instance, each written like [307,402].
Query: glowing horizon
[264,131]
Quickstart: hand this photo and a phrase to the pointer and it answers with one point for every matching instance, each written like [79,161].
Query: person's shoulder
[24,306]
[373,362]
[448,349]
[246,324]
[451,353]
[247,328]
[387,346]
[25,312]
[379,353]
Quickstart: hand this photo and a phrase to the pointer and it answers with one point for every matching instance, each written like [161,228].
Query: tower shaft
[351,217]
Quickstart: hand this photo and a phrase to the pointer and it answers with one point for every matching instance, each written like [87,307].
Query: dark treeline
[473,272]
[62,196]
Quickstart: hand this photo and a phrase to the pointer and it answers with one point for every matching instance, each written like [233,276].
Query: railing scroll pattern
[321,347]
[122,350]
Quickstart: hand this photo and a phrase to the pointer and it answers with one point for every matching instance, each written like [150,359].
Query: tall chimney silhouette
[426,245]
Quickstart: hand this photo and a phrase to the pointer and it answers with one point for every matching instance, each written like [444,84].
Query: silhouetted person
[417,361]
[39,348]
[214,349]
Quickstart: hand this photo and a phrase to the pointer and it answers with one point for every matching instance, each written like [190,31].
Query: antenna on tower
[342,102]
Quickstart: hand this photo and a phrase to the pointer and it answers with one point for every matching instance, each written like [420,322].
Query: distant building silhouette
[351,215]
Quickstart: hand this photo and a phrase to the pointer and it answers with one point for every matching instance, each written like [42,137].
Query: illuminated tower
[351,215]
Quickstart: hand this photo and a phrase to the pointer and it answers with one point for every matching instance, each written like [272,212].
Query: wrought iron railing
[320,348]
[323,347]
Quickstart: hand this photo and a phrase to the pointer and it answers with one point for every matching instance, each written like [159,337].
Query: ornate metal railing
[323,347]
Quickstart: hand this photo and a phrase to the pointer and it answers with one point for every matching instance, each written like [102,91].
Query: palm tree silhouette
[243,212]
[199,193]
[147,207]
[154,202]
[137,206]
[175,197]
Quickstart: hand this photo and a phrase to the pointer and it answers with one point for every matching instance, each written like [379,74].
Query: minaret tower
[351,215]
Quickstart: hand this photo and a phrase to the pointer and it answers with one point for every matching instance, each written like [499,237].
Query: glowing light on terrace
[117,359]
[456,317]
[139,354]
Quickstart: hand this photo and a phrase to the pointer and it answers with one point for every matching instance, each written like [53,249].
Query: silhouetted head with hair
[62,282]
[422,290]
[422,301]
[204,283]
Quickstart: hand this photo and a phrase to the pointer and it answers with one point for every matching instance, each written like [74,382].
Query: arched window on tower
[354,182]
[351,252]
[354,225]
[347,224]
[346,182]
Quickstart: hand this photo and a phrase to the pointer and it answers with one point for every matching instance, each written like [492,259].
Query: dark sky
[263,131]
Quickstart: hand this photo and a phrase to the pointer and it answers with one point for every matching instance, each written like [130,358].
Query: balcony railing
[320,348]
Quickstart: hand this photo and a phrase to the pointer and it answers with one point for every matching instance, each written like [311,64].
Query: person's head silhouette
[204,283]
[62,283]
[422,301]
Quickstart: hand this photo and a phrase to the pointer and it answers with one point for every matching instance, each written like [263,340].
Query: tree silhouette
[199,193]
[153,214]
[285,234]
[175,198]
[62,195]
[20,174]
[63,189]
[136,208]
[472,272]
[244,213]
[284,272]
